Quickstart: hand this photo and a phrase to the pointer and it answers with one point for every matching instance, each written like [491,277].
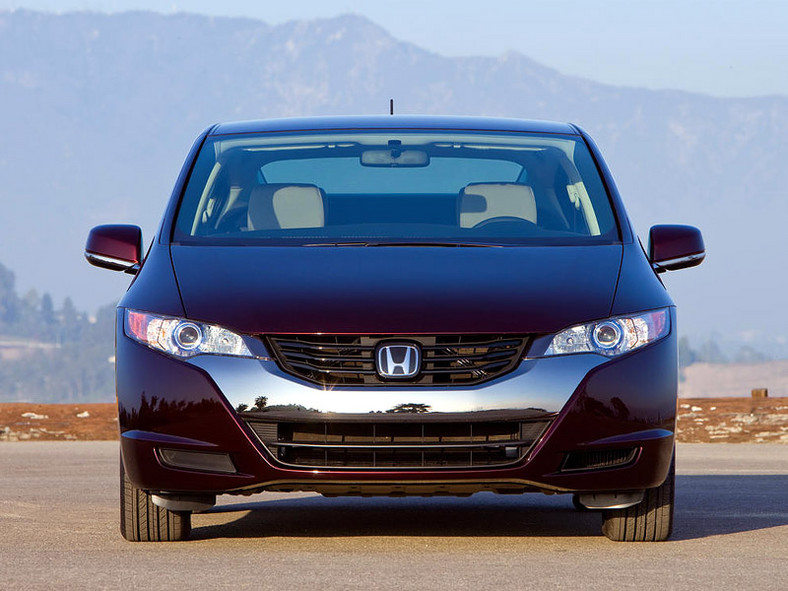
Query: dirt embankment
[701,420]
[48,422]
[733,420]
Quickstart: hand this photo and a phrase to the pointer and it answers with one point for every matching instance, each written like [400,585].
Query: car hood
[396,290]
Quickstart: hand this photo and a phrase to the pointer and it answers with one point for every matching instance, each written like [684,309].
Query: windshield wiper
[337,244]
[448,244]
[414,244]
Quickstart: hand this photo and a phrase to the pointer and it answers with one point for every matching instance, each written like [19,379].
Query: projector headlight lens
[181,337]
[613,336]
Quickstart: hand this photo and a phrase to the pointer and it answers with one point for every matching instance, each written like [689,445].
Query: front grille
[599,459]
[398,445]
[350,359]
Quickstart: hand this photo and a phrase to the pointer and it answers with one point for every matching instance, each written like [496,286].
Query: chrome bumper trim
[543,385]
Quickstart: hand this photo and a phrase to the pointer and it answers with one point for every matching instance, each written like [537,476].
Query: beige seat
[276,206]
[483,201]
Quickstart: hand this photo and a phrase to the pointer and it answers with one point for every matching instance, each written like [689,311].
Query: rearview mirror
[395,158]
[673,247]
[115,247]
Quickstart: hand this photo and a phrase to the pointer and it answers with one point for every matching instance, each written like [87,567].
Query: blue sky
[718,47]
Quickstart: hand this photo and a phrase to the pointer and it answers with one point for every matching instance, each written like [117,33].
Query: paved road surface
[58,530]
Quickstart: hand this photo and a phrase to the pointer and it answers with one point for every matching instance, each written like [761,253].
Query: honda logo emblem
[398,360]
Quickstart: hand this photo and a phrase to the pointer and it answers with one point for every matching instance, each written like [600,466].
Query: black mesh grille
[350,359]
[393,445]
[598,460]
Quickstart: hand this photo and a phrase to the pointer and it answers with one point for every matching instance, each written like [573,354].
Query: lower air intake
[599,459]
[392,445]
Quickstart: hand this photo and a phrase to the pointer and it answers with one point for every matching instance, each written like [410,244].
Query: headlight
[183,338]
[613,336]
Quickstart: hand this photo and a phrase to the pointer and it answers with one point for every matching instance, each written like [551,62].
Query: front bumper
[595,404]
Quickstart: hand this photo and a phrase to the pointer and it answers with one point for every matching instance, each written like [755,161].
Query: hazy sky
[719,47]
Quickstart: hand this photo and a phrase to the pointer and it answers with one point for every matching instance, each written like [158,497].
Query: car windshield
[385,187]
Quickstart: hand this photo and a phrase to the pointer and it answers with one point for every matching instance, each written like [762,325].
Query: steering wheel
[503,219]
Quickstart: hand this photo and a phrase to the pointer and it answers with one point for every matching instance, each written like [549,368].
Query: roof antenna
[391,106]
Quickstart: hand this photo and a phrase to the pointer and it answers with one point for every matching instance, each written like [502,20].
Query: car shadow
[481,515]
[706,505]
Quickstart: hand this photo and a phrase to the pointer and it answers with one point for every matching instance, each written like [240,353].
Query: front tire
[143,521]
[651,520]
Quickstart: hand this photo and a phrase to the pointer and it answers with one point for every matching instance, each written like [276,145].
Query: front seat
[284,206]
[480,202]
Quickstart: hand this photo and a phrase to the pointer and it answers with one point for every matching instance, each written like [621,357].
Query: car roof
[393,122]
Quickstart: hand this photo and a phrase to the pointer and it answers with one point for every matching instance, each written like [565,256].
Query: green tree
[747,354]
[9,302]
[71,356]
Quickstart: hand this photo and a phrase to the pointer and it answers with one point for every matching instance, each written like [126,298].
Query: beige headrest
[482,201]
[285,206]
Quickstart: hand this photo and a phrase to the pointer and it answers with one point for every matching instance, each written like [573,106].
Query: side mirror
[115,247]
[675,247]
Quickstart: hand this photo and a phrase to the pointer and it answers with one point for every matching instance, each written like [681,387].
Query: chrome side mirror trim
[112,263]
[692,260]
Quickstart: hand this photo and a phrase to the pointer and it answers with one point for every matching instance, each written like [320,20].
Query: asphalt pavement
[59,530]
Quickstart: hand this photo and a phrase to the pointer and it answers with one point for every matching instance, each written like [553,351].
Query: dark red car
[396,306]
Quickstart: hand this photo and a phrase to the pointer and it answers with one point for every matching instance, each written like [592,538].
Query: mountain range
[97,112]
